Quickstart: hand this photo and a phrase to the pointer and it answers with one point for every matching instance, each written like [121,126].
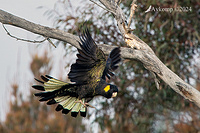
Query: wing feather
[90,63]
[111,63]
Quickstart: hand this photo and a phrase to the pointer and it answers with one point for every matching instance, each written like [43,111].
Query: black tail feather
[38,94]
[44,78]
[39,81]
[59,107]
[48,76]
[74,114]
[46,98]
[65,111]
[52,101]
[45,94]
[83,114]
[38,87]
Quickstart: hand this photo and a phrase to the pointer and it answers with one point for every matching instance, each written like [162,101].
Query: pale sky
[15,55]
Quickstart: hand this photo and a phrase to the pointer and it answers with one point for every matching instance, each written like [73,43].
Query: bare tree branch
[145,54]
[150,60]
[7,18]
[100,6]
[34,41]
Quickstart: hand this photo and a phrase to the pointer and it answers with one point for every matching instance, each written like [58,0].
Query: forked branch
[150,61]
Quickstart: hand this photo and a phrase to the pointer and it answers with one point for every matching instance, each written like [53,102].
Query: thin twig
[101,6]
[133,8]
[51,42]
[34,41]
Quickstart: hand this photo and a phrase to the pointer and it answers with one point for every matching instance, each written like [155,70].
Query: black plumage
[89,76]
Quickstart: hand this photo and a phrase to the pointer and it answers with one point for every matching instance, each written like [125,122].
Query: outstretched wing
[111,63]
[91,61]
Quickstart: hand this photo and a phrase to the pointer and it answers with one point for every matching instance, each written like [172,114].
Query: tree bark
[144,55]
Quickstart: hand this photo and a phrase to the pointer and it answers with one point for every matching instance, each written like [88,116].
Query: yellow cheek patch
[107,88]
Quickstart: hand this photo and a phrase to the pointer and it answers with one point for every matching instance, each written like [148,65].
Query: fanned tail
[56,91]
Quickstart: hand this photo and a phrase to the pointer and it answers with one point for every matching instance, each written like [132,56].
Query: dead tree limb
[150,60]
[145,54]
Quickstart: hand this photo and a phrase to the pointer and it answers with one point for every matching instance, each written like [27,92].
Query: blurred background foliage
[139,106]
